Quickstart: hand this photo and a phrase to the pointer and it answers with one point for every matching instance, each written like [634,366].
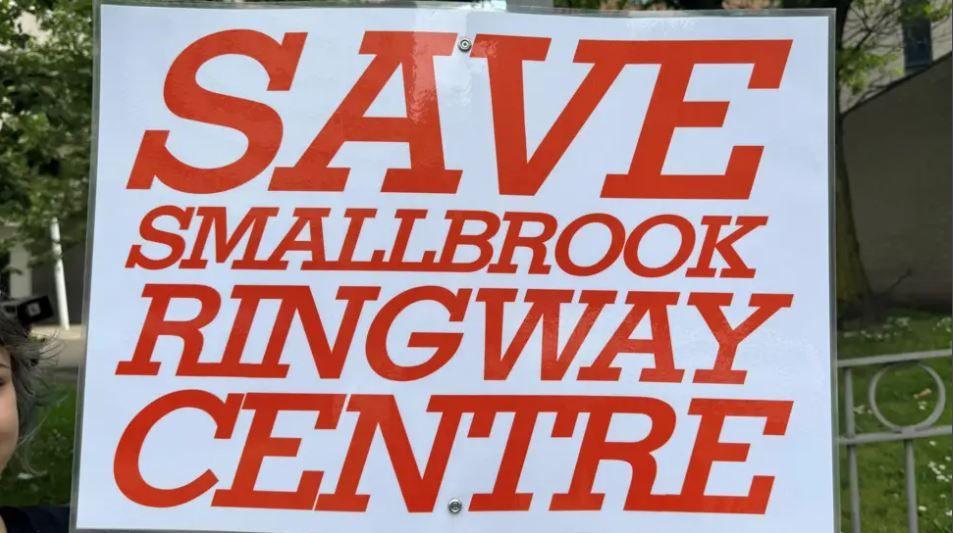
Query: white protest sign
[354,269]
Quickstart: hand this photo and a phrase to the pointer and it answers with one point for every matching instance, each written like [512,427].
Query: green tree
[45,95]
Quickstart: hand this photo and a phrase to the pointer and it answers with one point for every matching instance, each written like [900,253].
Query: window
[917,40]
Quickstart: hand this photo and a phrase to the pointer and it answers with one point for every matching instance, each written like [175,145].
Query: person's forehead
[4,356]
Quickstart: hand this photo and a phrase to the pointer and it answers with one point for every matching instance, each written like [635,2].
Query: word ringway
[297,305]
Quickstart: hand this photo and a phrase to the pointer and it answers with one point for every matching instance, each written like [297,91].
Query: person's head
[19,385]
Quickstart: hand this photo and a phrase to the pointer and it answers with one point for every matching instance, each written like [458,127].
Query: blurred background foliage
[45,109]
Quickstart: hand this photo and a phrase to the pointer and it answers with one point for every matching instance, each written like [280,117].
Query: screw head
[455,506]
[464,45]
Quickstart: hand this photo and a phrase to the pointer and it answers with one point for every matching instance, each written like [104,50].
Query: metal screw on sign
[455,506]
[464,45]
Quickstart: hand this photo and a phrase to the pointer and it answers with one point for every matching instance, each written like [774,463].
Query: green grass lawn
[906,396]
[51,456]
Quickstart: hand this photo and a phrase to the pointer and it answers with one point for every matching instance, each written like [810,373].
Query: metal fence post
[910,467]
[853,482]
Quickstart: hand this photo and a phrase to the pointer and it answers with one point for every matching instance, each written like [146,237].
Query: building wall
[37,280]
[74,261]
[898,156]
[21,276]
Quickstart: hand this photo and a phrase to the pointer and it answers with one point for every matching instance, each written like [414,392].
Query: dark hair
[26,353]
